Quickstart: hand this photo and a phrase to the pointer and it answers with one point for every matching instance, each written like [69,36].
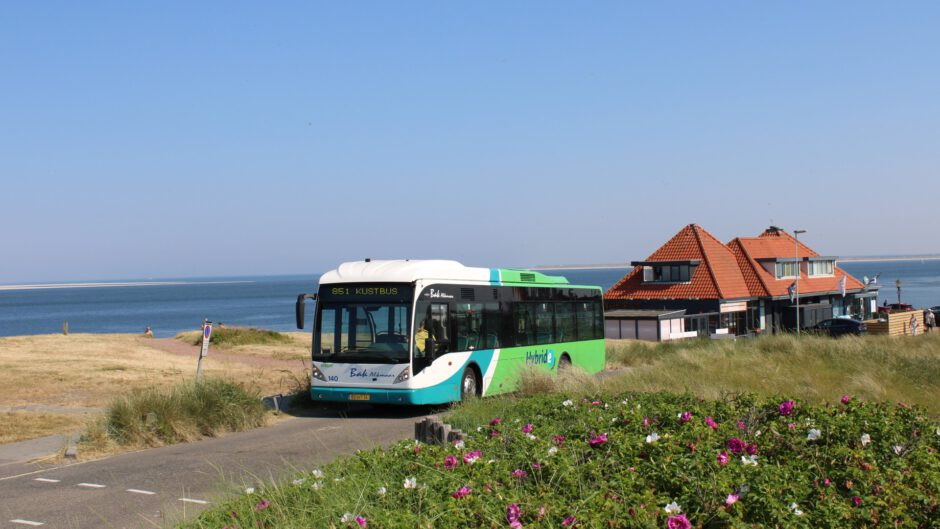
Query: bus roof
[409,271]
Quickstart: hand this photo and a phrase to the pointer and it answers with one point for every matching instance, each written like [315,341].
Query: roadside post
[204,352]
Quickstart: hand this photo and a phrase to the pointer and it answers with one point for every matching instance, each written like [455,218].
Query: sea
[170,306]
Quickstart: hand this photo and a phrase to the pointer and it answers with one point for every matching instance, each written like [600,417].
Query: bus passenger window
[564,322]
[440,328]
[469,319]
[585,317]
[492,319]
[544,331]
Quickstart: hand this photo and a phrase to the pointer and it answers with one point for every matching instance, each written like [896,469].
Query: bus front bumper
[380,396]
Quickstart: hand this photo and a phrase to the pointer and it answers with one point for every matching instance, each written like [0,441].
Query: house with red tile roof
[737,288]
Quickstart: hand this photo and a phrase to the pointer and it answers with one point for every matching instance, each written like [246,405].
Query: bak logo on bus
[546,357]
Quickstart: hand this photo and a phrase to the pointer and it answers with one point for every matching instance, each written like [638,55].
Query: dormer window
[784,269]
[822,267]
[667,271]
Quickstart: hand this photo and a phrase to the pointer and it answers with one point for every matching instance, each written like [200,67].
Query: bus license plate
[354,396]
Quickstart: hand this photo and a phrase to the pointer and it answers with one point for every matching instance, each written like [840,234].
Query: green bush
[622,461]
[188,411]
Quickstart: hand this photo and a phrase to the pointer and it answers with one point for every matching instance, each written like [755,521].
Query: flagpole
[796,252]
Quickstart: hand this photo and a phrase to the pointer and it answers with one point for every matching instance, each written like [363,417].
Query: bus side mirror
[299,308]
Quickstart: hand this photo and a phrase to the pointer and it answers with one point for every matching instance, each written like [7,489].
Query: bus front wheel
[469,385]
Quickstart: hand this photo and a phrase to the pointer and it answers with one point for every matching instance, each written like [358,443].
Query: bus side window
[491,325]
[598,320]
[469,319]
[523,324]
[564,322]
[544,329]
[585,317]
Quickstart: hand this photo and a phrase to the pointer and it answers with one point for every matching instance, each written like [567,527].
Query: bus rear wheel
[469,385]
[564,364]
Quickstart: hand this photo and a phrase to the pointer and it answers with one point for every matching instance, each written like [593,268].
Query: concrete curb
[431,430]
[278,402]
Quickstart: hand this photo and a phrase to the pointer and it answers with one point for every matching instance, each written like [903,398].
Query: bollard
[65,328]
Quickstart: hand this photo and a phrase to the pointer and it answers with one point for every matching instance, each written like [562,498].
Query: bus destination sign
[355,291]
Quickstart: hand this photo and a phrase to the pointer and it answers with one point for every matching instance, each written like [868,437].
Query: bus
[433,332]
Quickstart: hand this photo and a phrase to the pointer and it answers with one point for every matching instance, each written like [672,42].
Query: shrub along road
[161,485]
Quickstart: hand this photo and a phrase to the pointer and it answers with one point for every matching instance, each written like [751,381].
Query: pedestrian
[912,325]
[148,333]
[930,320]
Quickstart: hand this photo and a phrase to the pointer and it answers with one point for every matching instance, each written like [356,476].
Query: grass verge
[185,412]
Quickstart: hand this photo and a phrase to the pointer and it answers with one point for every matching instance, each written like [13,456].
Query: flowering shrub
[751,463]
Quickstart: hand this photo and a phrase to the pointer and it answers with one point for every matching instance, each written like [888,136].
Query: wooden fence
[897,324]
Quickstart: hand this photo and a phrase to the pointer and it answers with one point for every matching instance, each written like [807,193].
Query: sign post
[204,352]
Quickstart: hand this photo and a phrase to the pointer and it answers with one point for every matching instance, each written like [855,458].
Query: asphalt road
[161,486]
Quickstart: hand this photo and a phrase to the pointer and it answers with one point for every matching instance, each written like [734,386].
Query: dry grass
[88,370]
[816,369]
[297,347]
[19,425]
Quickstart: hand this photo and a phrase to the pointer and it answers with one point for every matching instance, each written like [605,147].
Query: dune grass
[235,336]
[813,368]
[185,412]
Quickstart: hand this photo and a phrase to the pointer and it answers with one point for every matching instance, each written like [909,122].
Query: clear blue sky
[171,139]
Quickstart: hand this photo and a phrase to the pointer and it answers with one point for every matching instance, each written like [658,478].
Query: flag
[792,291]
[842,286]
[874,280]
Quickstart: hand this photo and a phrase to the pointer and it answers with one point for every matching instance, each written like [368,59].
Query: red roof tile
[774,244]
[717,276]
[729,271]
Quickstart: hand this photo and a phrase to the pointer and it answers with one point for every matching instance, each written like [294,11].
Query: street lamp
[796,251]
[897,283]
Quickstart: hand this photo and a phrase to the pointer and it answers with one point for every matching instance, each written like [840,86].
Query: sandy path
[176,347]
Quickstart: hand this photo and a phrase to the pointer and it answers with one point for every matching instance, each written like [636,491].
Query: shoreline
[48,286]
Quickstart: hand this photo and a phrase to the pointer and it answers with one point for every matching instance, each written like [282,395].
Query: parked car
[841,327]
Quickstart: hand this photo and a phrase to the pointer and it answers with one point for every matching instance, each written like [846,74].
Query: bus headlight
[316,373]
[404,375]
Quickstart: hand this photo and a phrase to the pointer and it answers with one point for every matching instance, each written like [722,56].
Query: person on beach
[930,320]
[148,333]
[913,325]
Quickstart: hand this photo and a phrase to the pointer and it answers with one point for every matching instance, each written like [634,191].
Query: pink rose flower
[786,407]
[723,458]
[751,448]
[711,423]
[731,499]
[527,428]
[598,441]
[678,522]
[735,445]
[462,492]
[685,417]
[519,474]
[495,421]
[361,520]
[846,399]
[262,505]
[472,457]
[558,439]
[450,462]
[741,425]
[569,521]
[857,501]
[512,514]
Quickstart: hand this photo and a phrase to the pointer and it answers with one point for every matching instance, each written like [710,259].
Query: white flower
[866,439]
[531,437]
[652,438]
[491,461]
[757,433]
[673,508]
[382,491]
[749,460]
[410,483]
[938,431]
[897,449]
[348,517]
[813,434]
[317,473]
[552,450]
[317,485]
[299,481]
[459,444]
[796,509]
[249,490]
[338,479]
[606,406]
[624,402]
[613,420]
[517,421]
[567,403]
[479,428]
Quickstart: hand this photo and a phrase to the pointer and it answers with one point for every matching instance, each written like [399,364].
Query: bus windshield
[371,333]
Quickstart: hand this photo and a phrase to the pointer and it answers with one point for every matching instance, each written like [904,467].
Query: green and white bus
[431,332]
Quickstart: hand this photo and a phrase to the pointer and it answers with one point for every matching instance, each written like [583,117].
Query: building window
[786,269]
[821,268]
[668,274]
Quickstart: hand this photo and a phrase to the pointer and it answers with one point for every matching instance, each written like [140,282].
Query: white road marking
[190,500]
[92,485]
[138,491]
[47,480]
[26,522]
